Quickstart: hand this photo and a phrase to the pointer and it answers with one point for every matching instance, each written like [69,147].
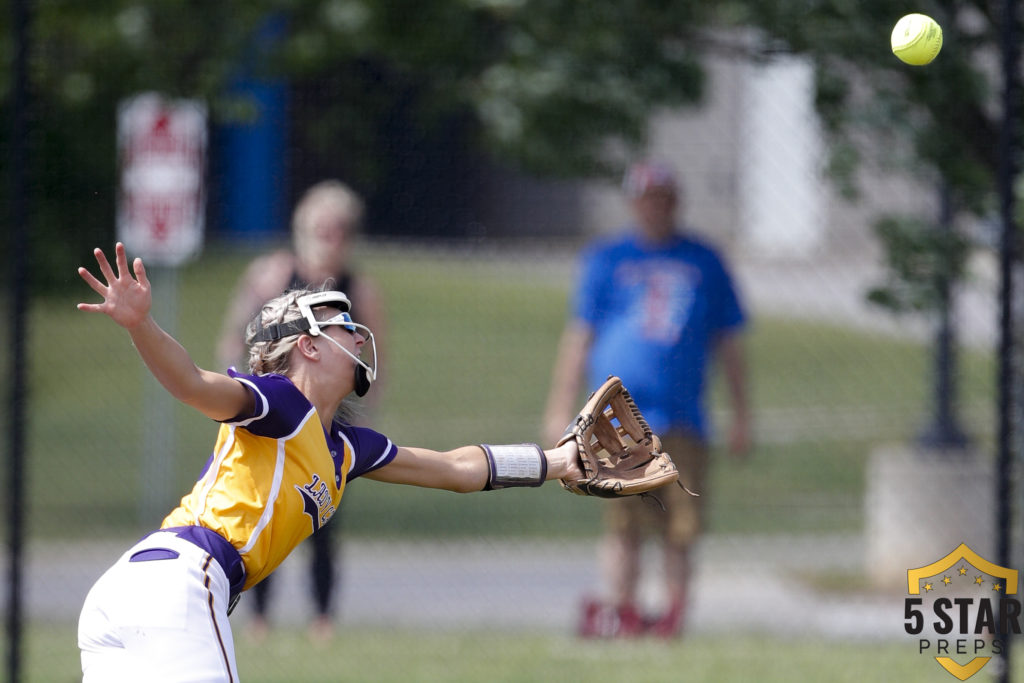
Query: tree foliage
[939,123]
[556,86]
[548,81]
[560,87]
[921,260]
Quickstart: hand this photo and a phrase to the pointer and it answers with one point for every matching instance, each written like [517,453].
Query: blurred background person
[656,306]
[325,224]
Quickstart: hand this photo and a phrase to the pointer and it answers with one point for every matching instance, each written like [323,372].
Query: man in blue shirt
[655,306]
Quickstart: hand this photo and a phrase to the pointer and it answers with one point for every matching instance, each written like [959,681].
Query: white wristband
[522,464]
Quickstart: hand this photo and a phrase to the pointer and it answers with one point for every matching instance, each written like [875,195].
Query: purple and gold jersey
[275,477]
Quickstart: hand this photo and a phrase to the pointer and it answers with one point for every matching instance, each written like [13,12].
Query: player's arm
[217,396]
[127,300]
[467,468]
[566,378]
[732,356]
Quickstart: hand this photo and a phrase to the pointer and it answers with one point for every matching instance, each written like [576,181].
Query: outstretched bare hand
[126,299]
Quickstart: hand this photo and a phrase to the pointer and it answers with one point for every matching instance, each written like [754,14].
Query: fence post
[1008,170]
[19,255]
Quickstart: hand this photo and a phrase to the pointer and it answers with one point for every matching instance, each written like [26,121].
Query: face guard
[308,324]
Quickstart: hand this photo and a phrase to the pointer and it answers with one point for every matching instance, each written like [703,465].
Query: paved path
[743,584]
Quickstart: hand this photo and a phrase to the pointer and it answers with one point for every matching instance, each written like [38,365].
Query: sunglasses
[343,319]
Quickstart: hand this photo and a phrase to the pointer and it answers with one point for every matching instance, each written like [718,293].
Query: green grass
[469,352]
[401,656]
[470,349]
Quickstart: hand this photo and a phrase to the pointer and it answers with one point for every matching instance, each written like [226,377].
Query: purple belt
[219,548]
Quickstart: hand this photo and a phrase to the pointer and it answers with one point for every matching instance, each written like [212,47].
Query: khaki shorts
[681,521]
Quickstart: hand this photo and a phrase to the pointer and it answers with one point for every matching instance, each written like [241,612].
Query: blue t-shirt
[656,311]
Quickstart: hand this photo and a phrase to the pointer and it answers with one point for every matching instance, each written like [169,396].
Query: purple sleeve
[279,406]
[372,449]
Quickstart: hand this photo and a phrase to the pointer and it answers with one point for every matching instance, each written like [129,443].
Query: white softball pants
[159,617]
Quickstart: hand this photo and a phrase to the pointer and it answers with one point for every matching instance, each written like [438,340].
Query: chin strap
[363,380]
[364,373]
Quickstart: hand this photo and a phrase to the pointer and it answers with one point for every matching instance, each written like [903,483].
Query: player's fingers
[140,272]
[122,259]
[91,280]
[105,268]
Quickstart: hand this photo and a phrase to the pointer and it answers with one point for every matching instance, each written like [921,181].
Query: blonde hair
[274,357]
[331,195]
[266,357]
[331,200]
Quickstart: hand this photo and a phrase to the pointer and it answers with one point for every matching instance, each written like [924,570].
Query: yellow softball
[916,39]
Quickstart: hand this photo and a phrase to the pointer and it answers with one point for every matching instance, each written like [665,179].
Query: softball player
[280,465]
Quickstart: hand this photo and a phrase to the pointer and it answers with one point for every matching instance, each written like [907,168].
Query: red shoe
[670,625]
[591,619]
[630,622]
[600,620]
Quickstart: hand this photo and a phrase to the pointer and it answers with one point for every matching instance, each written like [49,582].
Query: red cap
[648,174]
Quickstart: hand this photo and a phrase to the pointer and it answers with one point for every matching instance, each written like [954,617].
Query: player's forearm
[562,460]
[528,464]
[167,360]
[468,468]
[217,396]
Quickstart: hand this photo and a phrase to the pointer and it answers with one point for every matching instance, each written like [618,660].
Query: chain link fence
[808,540]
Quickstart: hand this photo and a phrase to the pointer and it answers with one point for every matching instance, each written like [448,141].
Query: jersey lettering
[317,501]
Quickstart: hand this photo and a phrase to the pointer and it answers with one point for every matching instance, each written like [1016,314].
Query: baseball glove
[619,455]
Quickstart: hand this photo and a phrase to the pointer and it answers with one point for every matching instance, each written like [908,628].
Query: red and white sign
[162,156]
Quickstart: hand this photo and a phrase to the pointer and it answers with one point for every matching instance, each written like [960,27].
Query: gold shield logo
[955,570]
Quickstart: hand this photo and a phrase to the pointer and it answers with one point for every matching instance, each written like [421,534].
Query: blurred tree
[558,86]
[939,123]
[918,259]
[549,83]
